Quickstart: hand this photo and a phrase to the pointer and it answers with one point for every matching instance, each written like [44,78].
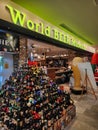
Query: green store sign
[22,19]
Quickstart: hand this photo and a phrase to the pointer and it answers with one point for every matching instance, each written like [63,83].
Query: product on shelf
[31,101]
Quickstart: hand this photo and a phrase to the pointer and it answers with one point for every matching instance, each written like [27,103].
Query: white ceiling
[80,16]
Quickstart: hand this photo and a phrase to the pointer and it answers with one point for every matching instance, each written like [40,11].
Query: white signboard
[86,67]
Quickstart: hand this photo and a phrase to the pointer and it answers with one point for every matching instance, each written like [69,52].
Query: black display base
[78,92]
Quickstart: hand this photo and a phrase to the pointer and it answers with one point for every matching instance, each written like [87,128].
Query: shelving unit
[37,102]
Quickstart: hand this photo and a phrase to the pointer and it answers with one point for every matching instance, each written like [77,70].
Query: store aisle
[86,113]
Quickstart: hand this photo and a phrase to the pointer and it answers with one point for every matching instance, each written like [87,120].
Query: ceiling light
[48,50]
[32,46]
[39,57]
[35,54]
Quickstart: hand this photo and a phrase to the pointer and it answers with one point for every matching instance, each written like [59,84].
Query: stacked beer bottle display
[31,101]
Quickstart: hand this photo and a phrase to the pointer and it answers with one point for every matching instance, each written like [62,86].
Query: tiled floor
[86,112]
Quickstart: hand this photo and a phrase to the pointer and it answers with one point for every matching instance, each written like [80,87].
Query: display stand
[86,81]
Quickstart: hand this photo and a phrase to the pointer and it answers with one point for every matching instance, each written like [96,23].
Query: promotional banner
[86,68]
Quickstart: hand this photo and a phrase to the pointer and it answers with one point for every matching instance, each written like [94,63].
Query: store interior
[48,65]
[37,73]
[17,48]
